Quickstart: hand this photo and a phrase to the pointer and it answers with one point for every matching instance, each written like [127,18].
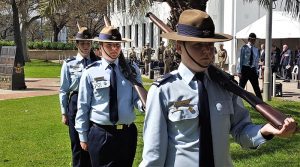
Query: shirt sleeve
[82,121]
[64,88]
[243,130]
[239,69]
[136,100]
[155,130]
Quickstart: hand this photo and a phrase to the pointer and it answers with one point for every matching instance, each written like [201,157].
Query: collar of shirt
[79,57]
[249,45]
[106,63]
[186,74]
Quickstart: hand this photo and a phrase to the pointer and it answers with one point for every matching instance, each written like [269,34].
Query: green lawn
[31,134]
[42,69]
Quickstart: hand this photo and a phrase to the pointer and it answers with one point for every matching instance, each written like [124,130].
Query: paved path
[50,86]
[35,87]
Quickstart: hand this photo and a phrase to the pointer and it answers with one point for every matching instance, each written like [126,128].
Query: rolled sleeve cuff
[63,110]
[83,136]
[258,139]
[140,106]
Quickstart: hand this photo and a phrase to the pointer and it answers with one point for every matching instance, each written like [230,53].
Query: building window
[151,34]
[118,5]
[136,35]
[130,34]
[112,6]
[159,37]
[143,34]
[123,35]
[124,5]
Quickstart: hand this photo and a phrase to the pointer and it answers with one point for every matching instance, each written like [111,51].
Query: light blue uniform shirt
[93,97]
[171,127]
[69,79]
[245,53]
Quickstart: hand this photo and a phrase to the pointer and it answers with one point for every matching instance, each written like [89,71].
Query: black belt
[74,93]
[112,127]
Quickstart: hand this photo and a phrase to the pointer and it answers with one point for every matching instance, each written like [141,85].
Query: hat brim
[77,39]
[120,41]
[217,38]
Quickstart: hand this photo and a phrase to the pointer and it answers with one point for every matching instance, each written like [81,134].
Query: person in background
[248,67]
[222,56]
[168,59]
[146,56]
[286,63]
[132,55]
[261,63]
[71,72]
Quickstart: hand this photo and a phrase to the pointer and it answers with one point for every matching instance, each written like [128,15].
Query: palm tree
[177,6]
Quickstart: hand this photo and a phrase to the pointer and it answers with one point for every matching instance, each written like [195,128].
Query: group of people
[282,62]
[252,60]
[188,117]
[166,58]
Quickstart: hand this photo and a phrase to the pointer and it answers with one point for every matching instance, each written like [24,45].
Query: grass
[42,69]
[31,134]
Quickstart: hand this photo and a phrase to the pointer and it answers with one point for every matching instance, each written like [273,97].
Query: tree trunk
[55,34]
[18,78]
[17,34]
[24,42]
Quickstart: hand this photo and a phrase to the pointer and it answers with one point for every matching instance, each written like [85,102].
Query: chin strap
[107,53]
[202,66]
[81,53]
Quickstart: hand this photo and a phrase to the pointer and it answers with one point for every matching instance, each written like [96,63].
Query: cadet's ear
[178,47]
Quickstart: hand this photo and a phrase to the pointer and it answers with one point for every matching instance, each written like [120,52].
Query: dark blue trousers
[109,147]
[251,75]
[80,158]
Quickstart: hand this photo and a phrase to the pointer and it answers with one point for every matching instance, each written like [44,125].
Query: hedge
[43,45]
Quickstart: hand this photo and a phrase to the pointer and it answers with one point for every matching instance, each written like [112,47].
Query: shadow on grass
[32,80]
[287,146]
[39,89]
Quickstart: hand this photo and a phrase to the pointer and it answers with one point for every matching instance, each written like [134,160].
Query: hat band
[187,30]
[82,36]
[109,37]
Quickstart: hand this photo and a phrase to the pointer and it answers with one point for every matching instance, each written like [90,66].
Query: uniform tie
[113,100]
[251,57]
[85,62]
[206,147]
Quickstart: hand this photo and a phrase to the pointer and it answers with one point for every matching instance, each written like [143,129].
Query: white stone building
[229,16]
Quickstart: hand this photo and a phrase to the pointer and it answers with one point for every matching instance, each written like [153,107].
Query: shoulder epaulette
[245,46]
[162,80]
[91,65]
[70,59]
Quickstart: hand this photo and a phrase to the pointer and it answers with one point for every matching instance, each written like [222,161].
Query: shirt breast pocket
[101,88]
[183,113]
[222,114]
[224,107]
[75,73]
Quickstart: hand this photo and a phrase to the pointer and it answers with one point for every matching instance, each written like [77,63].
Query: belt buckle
[119,127]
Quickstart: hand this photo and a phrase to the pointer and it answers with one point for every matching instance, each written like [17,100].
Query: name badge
[101,84]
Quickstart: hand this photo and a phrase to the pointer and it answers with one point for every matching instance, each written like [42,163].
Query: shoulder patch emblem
[70,59]
[91,65]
